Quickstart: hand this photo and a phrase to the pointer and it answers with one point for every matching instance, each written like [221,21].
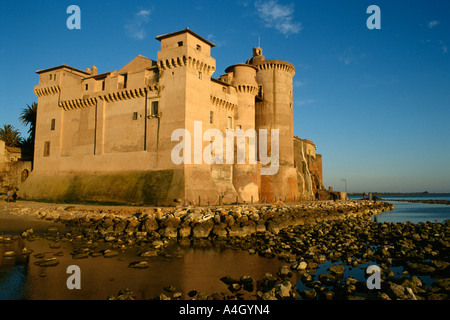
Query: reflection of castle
[108,136]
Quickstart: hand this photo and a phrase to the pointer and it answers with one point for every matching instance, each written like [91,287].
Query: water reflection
[185,268]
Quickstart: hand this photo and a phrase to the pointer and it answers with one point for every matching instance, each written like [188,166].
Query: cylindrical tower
[274,111]
[246,176]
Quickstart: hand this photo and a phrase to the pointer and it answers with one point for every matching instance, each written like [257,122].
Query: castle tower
[274,111]
[186,67]
[246,177]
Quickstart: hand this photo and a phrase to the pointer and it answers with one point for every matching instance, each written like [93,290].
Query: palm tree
[28,117]
[10,135]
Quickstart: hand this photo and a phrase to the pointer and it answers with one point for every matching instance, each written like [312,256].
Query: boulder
[202,229]
[149,225]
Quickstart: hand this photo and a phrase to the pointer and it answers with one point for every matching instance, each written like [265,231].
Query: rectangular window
[122,81]
[211,117]
[224,89]
[230,123]
[199,48]
[200,76]
[180,43]
[103,85]
[87,87]
[46,148]
[52,126]
[135,115]
[238,127]
[155,107]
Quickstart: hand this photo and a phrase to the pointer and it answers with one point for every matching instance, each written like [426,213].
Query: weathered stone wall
[13,174]
[137,187]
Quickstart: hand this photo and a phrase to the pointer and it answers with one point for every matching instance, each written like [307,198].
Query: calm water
[186,269]
[414,212]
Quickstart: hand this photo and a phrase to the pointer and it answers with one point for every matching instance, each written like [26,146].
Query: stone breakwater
[199,222]
[303,236]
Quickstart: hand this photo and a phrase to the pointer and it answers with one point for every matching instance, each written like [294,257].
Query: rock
[139,265]
[234,287]
[110,253]
[120,226]
[310,294]
[133,225]
[220,230]
[284,272]
[8,254]
[49,262]
[420,268]
[301,265]
[396,291]
[327,279]
[443,283]
[184,231]
[177,296]
[149,225]
[337,269]
[228,280]
[269,295]
[81,255]
[283,291]
[150,253]
[169,232]
[202,296]
[273,227]
[202,229]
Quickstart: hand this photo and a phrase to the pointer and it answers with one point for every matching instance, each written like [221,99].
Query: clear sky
[375,102]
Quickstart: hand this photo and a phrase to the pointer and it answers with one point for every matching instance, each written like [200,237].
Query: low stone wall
[202,222]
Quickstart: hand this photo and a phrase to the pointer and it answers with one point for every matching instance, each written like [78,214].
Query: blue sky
[375,102]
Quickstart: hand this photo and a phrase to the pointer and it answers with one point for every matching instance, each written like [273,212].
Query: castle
[108,137]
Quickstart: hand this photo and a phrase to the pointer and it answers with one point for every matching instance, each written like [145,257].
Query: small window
[87,87]
[199,47]
[46,148]
[122,81]
[52,126]
[224,89]
[135,115]
[260,91]
[180,43]
[239,127]
[230,123]
[200,75]
[51,76]
[103,85]
[155,107]
[211,117]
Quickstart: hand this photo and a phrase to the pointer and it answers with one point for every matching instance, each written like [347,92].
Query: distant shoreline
[399,193]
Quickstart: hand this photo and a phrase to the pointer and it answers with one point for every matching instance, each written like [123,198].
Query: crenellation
[121,124]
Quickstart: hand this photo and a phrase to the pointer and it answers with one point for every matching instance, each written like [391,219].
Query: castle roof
[164,36]
[61,67]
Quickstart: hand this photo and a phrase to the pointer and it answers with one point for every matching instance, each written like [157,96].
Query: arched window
[24,175]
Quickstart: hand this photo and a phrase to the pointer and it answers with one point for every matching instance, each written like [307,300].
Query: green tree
[10,135]
[28,118]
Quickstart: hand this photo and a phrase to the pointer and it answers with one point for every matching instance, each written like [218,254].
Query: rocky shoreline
[304,236]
